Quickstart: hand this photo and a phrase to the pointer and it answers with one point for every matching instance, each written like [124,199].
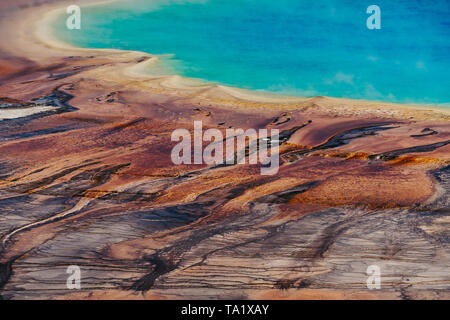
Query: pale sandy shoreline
[42,44]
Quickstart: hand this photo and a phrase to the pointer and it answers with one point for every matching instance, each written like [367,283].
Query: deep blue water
[297,47]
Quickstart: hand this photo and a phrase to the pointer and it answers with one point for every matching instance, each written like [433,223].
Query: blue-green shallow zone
[295,47]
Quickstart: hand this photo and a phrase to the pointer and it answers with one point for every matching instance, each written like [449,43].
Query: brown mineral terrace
[86,179]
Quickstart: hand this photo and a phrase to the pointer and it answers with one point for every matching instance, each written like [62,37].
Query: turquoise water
[296,47]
